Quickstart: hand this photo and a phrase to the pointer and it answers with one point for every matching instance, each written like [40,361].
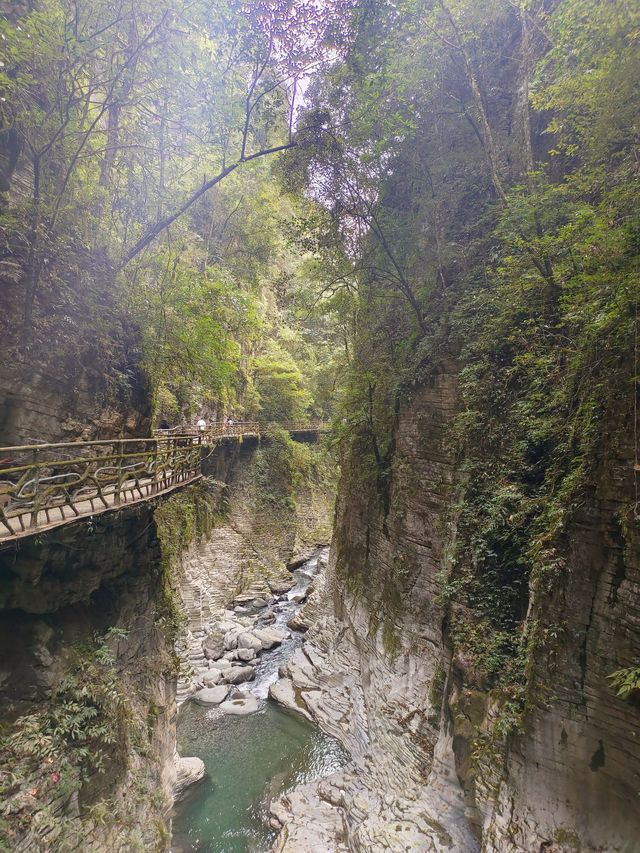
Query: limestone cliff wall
[381,671]
[574,775]
[83,637]
[77,397]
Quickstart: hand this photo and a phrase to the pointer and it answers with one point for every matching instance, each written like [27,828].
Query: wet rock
[211,695]
[297,623]
[213,645]
[221,664]
[212,677]
[279,587]
[270,637]
[268,617]
[230,640]
[238,674]
[246,655]
[250,640]
[240,705]
[284,692]
[188,771]
[231,656]
[259,603]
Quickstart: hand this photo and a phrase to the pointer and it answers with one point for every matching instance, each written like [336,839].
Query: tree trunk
[32,278]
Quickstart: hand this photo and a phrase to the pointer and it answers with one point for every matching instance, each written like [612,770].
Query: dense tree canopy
[135,140]
[288,209]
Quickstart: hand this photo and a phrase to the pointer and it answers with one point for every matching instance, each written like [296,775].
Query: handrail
[40,488]
[45,490]
[15,448]
[220,429]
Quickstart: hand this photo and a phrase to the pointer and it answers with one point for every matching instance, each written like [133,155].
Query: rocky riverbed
[233,664]
[221,657]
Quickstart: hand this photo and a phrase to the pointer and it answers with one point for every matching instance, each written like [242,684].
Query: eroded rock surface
[188,771]
[380,672]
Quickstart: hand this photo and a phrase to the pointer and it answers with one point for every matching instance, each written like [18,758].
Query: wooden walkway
[44,486]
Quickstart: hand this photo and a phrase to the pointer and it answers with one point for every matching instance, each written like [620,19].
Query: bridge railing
[46,484]
[211,431]
[238,429]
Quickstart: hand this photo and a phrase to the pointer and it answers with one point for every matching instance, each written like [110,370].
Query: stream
[250,760]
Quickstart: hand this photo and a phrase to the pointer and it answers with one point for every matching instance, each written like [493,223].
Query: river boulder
[249,640]
[284,692]
[211,695]
[246,655]
[280,586]
[213,645]
[212,677]
[270,637]
[238,674]
[240,705]
[188,771]
[230,640]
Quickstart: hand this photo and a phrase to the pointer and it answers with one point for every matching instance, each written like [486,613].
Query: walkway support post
[36,482]
[118,491]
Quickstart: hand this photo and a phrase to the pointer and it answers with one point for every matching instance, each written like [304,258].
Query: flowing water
[249,760]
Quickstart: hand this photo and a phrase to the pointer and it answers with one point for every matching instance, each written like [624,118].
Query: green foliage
[515,230]
[279,384]
[116,119]
[84,717]
[626,681]
[182,519]
[282,466]
[82,729]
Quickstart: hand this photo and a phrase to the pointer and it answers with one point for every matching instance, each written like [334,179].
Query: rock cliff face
[49,399]
[381,671]
[574,774]
[88,689]
[276,506]
[89,614]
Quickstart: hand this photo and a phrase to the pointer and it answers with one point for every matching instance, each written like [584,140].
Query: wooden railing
[213,431]
[45,485]
[217,430]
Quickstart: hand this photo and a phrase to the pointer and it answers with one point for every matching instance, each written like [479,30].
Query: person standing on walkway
[202,425]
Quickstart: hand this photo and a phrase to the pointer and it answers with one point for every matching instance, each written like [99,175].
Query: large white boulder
[249,640]
[241,705]
[238,674]
[211,695]
[270,637]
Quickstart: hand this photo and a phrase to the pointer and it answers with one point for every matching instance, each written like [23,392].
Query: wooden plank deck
[44,486]
[51,517]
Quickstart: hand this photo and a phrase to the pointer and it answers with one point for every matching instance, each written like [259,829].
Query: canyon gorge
[319,426]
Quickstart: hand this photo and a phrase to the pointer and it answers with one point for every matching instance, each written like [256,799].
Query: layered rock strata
[87,599]
[380,672]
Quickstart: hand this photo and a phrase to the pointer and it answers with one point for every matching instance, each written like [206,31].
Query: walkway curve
[43,486]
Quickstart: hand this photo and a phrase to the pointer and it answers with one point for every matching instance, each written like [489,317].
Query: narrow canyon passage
[319,426]
[251,760]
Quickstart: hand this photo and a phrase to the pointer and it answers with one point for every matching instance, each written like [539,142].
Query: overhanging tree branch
[162,224]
